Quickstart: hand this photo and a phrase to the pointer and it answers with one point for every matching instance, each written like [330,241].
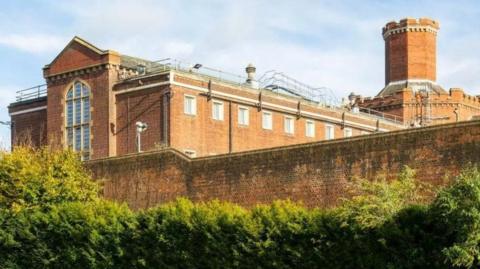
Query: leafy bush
[51,217]
[41,178]
[371,203]
[68,235]
[456,212]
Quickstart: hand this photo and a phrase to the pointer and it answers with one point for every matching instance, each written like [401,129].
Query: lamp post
[141,127]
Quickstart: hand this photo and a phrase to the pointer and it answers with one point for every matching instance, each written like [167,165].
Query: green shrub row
[384,225]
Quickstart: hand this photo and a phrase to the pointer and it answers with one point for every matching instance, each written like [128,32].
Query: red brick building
[411,91]
[94,99]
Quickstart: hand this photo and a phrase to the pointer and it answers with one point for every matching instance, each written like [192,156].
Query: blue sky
[336,44]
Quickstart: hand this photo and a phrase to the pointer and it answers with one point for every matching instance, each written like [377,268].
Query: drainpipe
[230,130]
[456,114]
[166,118]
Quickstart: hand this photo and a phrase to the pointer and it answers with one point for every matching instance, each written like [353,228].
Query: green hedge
[384,225]
[221,235]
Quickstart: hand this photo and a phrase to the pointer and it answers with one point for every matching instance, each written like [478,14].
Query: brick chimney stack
[410,50]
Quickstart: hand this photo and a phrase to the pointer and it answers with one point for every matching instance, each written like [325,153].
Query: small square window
[310,128]
[217,110]
[347,132]
[190,105]
[243,115]
[289,125]
[267,120]
[329,132]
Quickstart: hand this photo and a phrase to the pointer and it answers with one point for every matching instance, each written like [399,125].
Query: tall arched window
[78,119]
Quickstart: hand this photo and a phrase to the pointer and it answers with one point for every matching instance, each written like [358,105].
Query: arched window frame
[78,118]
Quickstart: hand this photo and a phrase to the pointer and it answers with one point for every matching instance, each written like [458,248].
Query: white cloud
[326,43]
[35,43]
[336,44]
[178,49]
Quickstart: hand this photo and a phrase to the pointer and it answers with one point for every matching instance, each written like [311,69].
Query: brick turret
[410,50]
[411,91]
[410,54]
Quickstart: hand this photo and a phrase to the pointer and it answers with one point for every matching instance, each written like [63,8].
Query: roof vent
[250,69]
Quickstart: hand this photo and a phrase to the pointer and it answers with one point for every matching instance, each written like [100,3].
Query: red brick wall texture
[314,173]
[29,122]
[410,50]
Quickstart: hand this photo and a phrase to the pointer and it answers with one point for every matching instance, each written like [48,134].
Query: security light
[141,127]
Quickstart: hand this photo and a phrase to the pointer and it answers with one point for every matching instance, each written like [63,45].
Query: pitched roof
[429,86]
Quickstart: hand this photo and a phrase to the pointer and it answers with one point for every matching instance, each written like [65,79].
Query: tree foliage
[374,202]
[457,214]
[51,217]
[41,178]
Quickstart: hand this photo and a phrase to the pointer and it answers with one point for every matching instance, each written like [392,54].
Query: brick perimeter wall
[314,173]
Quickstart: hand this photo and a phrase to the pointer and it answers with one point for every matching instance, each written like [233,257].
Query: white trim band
[142,87]
[291,110]
[410,28]
[399,82]
[27,110]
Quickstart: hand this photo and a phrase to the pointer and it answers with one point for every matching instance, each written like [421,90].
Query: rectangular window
[217,110]
[364,133]
[78,138]
[347,132]
[69,113]
[78,113]
[289,125]
[86,138]
[78,90]
[190,105]
[329,132]
[86,110]
[310,128]
[70,137]
[243,115]
[267,120]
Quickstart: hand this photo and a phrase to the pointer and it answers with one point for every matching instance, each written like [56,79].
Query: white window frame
[83,125]
[190,153]
[329,135]
[220,112]
[289,125]
[266,126]
[246,121]
[193,110]
[347,131]
[312,124]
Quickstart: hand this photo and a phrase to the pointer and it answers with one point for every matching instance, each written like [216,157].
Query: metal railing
[32,93]
[272,80]
[278,81]
[380,115]
[174,64]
